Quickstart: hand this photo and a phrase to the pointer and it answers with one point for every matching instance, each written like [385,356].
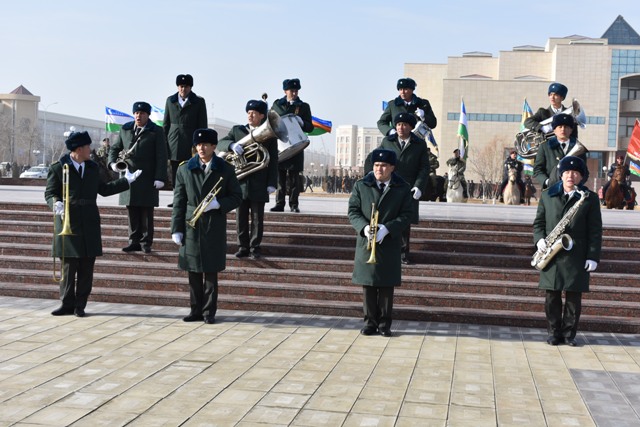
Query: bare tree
[27,140]
[5,138]
[487,164]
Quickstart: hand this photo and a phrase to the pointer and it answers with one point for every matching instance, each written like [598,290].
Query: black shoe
[404,260]
[132,247]
[79,312]
[385,332]
[255,255]
[553,341]
[62,311]
[277,208]
[170,205]
[571,342]
[295,209]
[146,249]
[193,318]
[368,330]
[242,253]
[209,320]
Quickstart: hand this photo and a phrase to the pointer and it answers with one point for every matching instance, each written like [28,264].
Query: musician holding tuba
[568,270]
[82,243]
[560,145]
[258,184]
[391,198]
[406,102]
[557,93]
[203,238]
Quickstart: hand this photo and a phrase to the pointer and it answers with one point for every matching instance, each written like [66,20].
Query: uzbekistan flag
[633,150]
[320,126]
[157,115]
[528,169]
[526,113]
[463,134]
[634,168]
[114,119]
[384,105]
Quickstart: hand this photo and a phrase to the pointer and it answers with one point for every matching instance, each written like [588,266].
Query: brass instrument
[66,224]
[557,239]
[199,210]
[123,156]
[371,236]
[528,141]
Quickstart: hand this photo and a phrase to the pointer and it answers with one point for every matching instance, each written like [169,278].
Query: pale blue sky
[348,54]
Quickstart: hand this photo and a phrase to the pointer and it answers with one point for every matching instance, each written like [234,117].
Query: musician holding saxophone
[377,264]
[206,189]
[567,231]
[256,186]
[73,185]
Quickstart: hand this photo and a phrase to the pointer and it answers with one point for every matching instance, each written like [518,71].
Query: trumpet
[66,224]
[371,236]
[204,203]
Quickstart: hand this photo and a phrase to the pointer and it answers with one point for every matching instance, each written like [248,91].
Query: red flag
[634,142]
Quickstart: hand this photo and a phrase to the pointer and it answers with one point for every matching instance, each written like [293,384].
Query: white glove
[546,128]
[158,184]
[114,167]
[300,122]
[416,193]
[58,208]
[214,204]
[177,238]
[420,113]
[132,176]
[590,265]
[237,148]
[382,231]
[391,132]
[367,229]
[541,245]
[271,189]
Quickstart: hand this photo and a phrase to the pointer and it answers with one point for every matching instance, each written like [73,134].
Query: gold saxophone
[199,210]
[557,239]
[371,236]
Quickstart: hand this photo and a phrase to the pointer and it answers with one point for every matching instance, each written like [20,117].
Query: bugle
[371,236]
[199,210]
[66,223]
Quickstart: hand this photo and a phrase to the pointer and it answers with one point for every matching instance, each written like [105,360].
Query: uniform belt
[82,202]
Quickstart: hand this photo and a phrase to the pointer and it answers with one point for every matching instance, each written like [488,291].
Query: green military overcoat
[566,270]
[181,122]
[83,213]
[150,155]
[549,155]
[254,186]
[204,247]
[302,110]
[394,212]
[397,106]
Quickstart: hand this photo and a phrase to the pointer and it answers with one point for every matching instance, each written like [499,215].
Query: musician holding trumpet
[206,189]
[377,264]
[73,185]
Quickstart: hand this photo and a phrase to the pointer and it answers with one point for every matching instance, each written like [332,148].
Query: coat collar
[66,160]
[283,101]
[553,142]
[174,98]
[150,126]
[556,189]
[370,180]
[194,163]
[400,102]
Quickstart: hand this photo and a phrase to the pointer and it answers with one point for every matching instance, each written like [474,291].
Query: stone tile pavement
[142,366]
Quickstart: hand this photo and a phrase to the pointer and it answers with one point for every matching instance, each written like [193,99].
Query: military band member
[458,161]
[80,249]
[184,112]
[289,170]
[557,93]
[569,270]
[256,186]
[412,165]
[550,153]
[406,102]
[619,163]
[203,247]
[391,196]
[147,148]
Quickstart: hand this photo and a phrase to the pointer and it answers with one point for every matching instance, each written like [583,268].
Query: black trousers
[563,323]
[203,293]
[378,306]
[77,282]
[250,224]
[406,236]
[141,225]
[287,179]
[174,169]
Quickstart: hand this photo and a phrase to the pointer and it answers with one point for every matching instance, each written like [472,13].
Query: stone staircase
[465,272]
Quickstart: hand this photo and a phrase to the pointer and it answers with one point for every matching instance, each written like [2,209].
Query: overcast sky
[348,54]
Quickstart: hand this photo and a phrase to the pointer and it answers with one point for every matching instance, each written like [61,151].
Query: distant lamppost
[312,165]
[36,153]
[44,133]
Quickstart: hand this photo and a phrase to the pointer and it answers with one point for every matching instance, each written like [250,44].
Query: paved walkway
[142,366]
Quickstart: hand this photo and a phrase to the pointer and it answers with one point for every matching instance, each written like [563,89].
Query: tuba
[66,223]
[528,141]
[255,155]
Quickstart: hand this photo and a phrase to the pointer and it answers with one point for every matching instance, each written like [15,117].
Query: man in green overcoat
[257,185]
[389,195]
[406,102]
[569,270]
[146,149]
[203,244]
[79,190]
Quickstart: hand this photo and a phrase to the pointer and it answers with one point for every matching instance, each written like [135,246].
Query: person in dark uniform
[256,186]
[550,153]
[406,102]
[557,93]
[80,249]
[184,112]
[391,196]
[413,166]
[462,166]
[569,270]
[147,148]
[512,162]
[203,246]
[289,170]
[619,163]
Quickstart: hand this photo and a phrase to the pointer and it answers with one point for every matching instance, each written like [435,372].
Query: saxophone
[558,239]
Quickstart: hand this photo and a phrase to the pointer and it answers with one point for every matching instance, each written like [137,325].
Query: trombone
[204,203]
[371,236]
[66,224]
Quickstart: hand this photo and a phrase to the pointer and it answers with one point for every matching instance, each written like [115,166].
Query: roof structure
[21,90]
[621,33]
